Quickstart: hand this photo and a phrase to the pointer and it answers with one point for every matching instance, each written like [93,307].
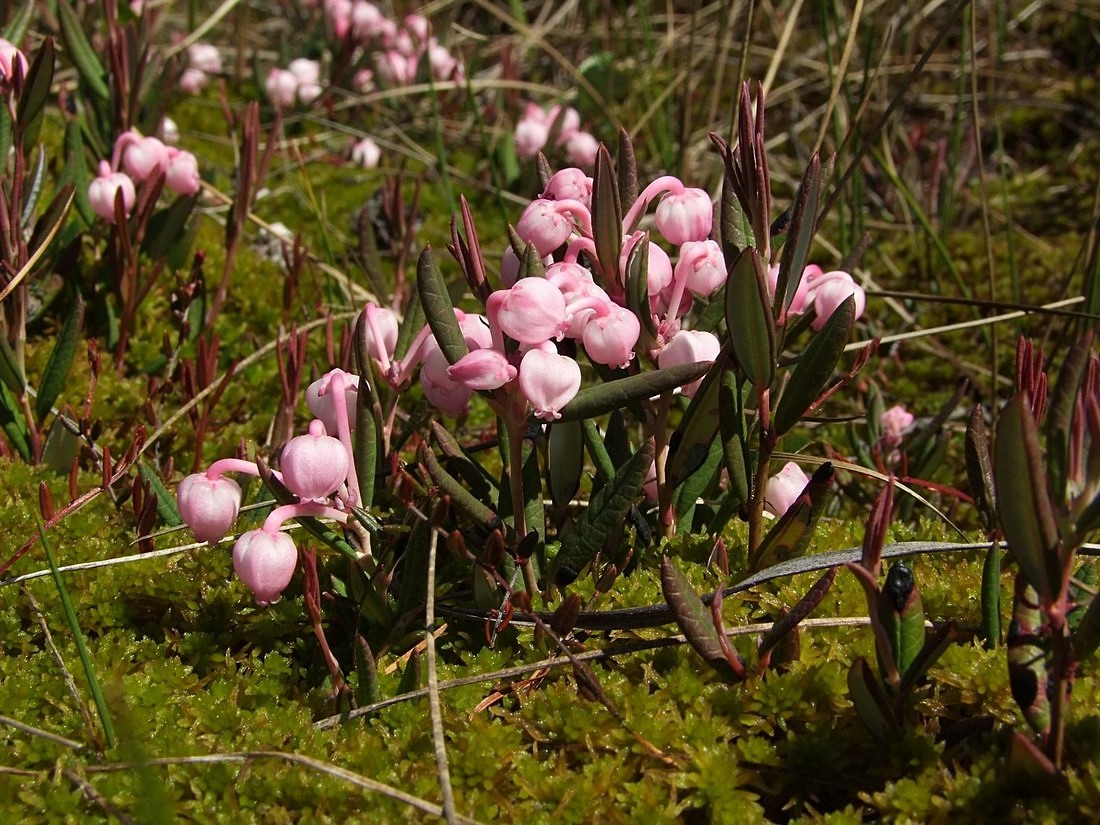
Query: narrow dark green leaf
[815,367]
[605,514]
[166,502]
[167,226]
[628,169]
[436,301]
[1059,417]
[790,620]
[1023,503]
[934,647]
[49,224]
[80,51]
[597,451]
[13,423]
[366,671]
[901,614]
[613,395]
[690,441]
[800,235]
[694,619]
[607,218]
[749,322]
[735,447]
[637,290]
[565,456]
[695,485]
[32,191]
[460,496]
[410,676]
[368,443]
[791,534]
[414,569]
[410,326]
[56,374]
[531,264]
[459,463]
[735,228]
[871,702]
[36,93]
[991,596]
[17,26]
[979,466]
[81,644]
[62,445]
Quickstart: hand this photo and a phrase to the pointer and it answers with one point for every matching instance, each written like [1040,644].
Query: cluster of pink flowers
[534,128]
[398,48]
[299,82]
[136,158]
[318,468]
[514,345]
[203,60]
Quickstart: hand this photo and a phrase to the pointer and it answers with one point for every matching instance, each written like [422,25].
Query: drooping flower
[685,216]
[894,422]
[281,87]
[11,58]
[366,153]
[182,174]
[209,506]
[320,400]
[482,369]
[548,381]
[104,188]
[702,266]
[531,312]
[687,347]
[784,488]
[314,465]
[609,337]
[265,561]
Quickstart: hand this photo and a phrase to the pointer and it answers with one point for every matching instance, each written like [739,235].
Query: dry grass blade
[439,740]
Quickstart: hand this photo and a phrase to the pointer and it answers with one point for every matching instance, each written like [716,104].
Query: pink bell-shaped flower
[531,312]
[894,422]
[320,401]
[548,224]
[209,506]
[831,290]
[366,153]
[182,176]
[687,347]
[192,81]
[610,338]
[702,266]
[685,216]
[440,389]
[102,190]
[314,465]
[10,58]
[659,272]
[532,131]
[282,88]
[265,561]
[548,381]
[205,57]
[581,148]
[482,369]
[141,156]
[784,488]
[569,184]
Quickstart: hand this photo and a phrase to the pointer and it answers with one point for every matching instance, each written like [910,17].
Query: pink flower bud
[265,561]
[509,267]
[894,422]
[366,153]
[192,81]
[418,27]
[102,190]
[305,70]
[10,58]
[204,57]
[531,135]
[581,148]
[440,389]
[548,381]
[687,347]
[281,87]
[609,339]
[314,465]
[320,401]
[209,506]
[482,369]
[547,224]
[830,291]
[444,65]
[531,312]
[784,488]
[685,216]
[569,184]
[393,68]
[366,21]
[703,267]
[182,176]
[141,156]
